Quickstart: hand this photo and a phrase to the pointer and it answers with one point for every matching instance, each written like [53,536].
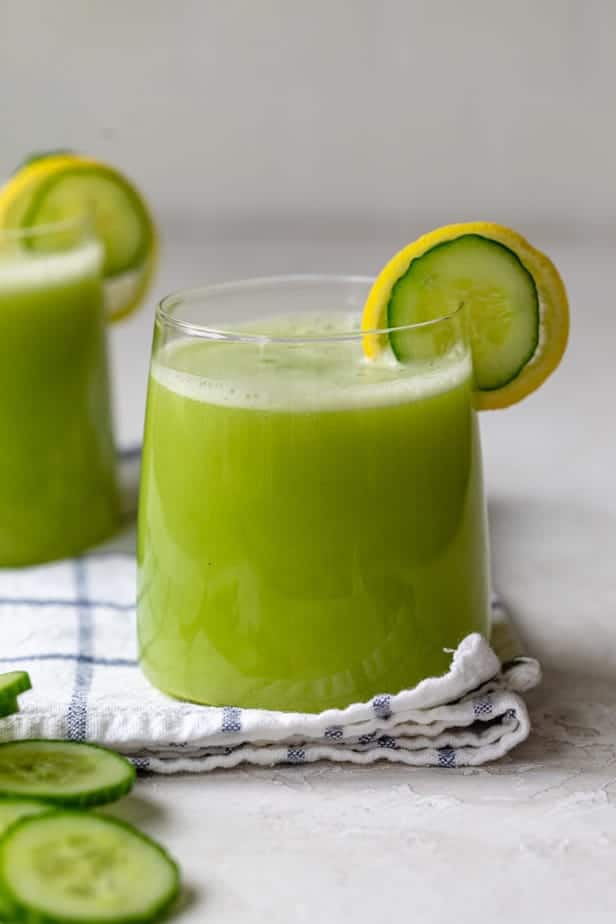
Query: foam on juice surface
[22,269]
[292,374]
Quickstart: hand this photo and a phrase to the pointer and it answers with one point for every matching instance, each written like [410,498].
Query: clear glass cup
[312,524]
[58,491]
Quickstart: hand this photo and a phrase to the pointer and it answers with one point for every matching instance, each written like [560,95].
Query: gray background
[418,109]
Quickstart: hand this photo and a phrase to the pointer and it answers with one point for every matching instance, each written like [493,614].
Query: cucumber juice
[57,483]
[312,524]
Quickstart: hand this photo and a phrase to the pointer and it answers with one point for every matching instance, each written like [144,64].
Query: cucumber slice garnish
[67,867]
[66,773]
[120,218]
[56,187]
[500,296]
[12,684]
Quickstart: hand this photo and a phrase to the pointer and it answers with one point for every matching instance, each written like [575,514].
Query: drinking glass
[312,524]
[58,491]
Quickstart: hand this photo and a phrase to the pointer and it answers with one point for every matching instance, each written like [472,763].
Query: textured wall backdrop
[364,108]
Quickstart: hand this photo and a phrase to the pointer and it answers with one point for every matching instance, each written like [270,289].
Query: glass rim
[198,293]
[80,220]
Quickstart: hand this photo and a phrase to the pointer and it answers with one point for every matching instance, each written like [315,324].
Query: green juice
[312,526]
[57,484]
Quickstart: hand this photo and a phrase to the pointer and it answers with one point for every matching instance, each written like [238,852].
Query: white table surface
[532,837]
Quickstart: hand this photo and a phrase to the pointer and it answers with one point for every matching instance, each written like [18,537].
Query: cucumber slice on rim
[12,684]
[120,217]
[500,296]
[65,773]
[55,191]
[68,867]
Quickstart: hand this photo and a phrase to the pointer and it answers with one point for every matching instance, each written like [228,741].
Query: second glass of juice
[58,492]
[312,524]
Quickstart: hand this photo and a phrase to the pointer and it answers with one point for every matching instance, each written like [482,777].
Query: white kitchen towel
[71,625]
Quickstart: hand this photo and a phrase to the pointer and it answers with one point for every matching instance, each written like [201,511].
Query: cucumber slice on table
[67,867]
[498,291]
[9,707]
[65,773]
[11,810]
[11,685]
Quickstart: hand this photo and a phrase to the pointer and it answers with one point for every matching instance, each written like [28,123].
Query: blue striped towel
[71,624]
